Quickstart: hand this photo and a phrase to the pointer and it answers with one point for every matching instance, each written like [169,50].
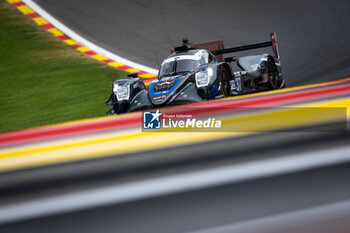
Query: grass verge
[43,80]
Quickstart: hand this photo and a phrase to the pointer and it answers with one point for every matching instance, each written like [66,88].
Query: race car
[199,72]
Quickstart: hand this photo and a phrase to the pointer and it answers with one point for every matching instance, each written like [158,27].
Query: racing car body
[193,73]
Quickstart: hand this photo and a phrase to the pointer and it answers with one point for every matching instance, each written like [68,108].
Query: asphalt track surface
[313,38]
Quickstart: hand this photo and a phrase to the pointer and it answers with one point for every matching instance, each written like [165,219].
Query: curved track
[313,45]
[313,36]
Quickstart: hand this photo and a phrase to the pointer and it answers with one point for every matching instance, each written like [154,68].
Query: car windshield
[178,66]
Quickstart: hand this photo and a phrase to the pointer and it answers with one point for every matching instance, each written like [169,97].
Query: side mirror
[230,59]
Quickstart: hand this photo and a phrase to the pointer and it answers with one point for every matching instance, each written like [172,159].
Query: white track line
[85,42]
[170,184]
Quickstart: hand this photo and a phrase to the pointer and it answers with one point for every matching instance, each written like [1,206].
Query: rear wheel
[225,86]
[272,75]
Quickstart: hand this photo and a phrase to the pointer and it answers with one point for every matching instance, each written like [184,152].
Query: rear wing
[272,43]
[218,49]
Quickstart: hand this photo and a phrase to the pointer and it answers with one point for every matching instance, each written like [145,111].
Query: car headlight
[122,91]
[203,77]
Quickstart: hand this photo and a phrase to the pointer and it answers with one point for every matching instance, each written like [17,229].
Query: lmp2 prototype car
[198,72]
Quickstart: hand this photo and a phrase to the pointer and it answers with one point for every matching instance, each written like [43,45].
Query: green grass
[43,80]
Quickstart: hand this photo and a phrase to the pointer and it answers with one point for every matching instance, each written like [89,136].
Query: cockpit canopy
[185,62]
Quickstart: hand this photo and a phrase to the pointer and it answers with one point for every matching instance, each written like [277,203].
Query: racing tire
[272,74]
[225,84]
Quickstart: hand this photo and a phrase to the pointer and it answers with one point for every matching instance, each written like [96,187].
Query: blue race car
[198,72]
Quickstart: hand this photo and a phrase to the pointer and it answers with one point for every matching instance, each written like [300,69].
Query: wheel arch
[227,67]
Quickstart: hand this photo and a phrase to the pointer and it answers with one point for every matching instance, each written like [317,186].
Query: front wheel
[272,75]
[224,83]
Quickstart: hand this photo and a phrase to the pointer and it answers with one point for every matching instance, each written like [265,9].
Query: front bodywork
[172,90]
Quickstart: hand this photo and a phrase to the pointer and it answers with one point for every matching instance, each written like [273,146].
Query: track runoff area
[289,108]
[56,28]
